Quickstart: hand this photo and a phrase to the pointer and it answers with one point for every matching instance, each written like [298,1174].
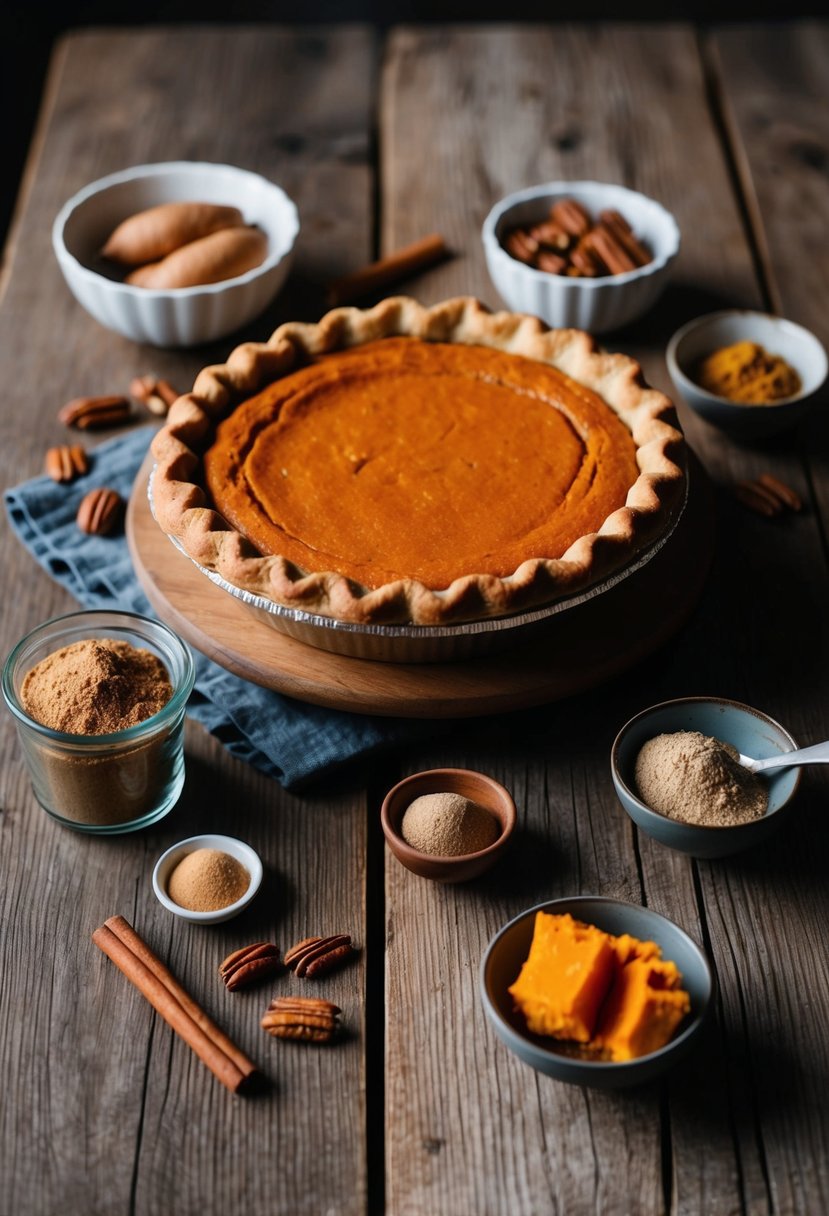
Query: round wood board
[583,647]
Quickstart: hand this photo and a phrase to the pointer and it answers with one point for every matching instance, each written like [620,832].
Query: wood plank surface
[483,1134]
[421,1111]
[104,1110]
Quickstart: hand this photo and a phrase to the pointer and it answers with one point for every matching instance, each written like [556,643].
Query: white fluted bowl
[184,316]
[597,305]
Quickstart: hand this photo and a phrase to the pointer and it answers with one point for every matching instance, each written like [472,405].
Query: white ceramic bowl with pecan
[184,316]
[595,304]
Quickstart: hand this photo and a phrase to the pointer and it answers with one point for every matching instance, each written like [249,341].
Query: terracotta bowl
[475,786]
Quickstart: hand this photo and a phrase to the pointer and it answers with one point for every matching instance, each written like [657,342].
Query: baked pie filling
[404,459]
[404,464]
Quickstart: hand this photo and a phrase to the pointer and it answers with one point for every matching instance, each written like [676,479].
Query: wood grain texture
[108,1112]
[104,1111]
[629,105]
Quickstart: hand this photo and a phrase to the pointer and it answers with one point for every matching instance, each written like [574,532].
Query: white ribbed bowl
[185,316]
[597,305]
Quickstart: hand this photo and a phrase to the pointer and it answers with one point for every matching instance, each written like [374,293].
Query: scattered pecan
[158,395]
[306,1019]
[767,495]
[66,462]
[88,413]
[751,495]
[250,965]
[789,497]
[316,955]
[100,511]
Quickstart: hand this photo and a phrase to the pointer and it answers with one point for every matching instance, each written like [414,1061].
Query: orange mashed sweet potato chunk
[614,995]
[565,978]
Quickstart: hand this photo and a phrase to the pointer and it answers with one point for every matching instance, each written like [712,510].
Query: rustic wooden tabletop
[420,1109]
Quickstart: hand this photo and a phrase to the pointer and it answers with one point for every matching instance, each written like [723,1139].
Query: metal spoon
[818,754]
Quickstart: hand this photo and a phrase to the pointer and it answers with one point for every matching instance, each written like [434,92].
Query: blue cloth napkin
[287,739]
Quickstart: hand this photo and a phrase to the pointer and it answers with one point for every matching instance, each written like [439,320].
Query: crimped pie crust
[181,506]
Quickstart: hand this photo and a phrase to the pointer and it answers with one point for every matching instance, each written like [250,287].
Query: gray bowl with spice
[691,777]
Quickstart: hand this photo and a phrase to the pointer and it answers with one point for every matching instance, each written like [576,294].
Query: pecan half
[88,413]
[519,244]
[789,497]
[571,216]
[610,252]
[250,965]
[157,395]
[753,496]
[100,511]
[66,462]
[316,955]
[302,1018]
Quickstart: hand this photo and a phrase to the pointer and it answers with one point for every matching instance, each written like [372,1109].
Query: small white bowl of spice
[448,824]
[677,773]
[207,879]
[750,373]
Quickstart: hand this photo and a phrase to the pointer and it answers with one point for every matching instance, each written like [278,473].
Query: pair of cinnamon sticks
[119,941]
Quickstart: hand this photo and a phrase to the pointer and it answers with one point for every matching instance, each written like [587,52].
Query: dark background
[28,32]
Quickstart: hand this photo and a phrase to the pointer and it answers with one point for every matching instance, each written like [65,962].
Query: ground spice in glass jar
[207,880]
[448,825]
[696,779]
[94,687]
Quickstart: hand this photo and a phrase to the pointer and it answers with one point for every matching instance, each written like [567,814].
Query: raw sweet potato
[152,234]
[212,259]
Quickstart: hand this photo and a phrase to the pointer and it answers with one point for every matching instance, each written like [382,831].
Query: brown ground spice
[207,880]
[96,687]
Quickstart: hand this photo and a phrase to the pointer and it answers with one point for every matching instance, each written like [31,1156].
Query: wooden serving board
[583,647]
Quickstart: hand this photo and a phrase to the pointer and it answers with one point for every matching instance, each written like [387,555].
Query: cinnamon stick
[145,970]
[379,275]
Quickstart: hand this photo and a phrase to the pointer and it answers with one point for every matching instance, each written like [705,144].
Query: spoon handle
[818,754]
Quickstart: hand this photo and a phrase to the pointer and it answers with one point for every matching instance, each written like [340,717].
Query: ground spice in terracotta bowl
[448,825]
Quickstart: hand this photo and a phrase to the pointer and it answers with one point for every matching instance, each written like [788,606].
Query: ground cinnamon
[207,880]
[96,687]
[92,689]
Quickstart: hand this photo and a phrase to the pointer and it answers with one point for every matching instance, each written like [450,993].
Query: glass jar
[104,784]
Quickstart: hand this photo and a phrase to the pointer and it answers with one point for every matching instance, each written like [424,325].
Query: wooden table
[421,1110]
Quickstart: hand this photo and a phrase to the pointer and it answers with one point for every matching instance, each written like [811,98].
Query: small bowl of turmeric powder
[750,373]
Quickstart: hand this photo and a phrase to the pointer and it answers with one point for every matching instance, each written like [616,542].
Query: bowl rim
[679,374]
[407,850]
[701,827]
[494,248]
[240,849]
[161,169]
[694,1023]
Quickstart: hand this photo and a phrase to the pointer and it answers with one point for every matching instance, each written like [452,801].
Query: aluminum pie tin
[422,643]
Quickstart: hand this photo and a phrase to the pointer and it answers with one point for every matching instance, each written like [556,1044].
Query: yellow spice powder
[746,373]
